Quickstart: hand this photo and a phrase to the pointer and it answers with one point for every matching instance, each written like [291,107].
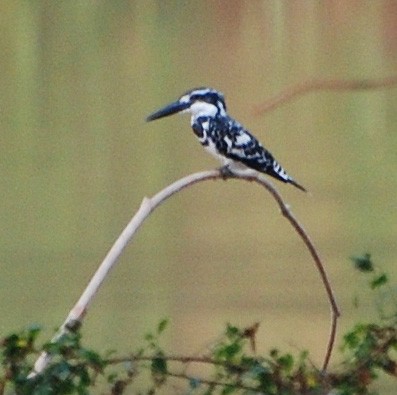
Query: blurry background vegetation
[76,158]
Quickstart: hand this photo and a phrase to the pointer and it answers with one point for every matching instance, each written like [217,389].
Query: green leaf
[83,375]
[351,339]
[228,389]
[159,365]
[33,331]
[93,358]
[61,371]
[162,325]
[303,356]
[363,263]
[159,369]
[229,351]
[286,361]
[378,281]
[111,378]
[149,337]
[232,331]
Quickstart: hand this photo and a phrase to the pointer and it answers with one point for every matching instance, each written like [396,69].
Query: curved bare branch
[148,205]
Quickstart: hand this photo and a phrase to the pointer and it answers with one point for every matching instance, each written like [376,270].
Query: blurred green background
[78,79]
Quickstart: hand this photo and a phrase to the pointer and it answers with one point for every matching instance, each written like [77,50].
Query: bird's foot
[226,172]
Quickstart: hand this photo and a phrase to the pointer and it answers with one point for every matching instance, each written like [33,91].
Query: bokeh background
[76,158]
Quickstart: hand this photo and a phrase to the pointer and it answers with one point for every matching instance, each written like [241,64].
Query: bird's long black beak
[170,109]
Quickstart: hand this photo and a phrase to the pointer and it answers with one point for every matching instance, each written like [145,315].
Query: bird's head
[197,102]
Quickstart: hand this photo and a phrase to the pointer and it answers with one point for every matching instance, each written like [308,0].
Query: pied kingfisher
[222,136]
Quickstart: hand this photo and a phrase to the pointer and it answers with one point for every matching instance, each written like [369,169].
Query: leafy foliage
[368,349]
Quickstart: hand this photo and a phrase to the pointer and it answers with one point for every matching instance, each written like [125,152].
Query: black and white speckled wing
[230,139]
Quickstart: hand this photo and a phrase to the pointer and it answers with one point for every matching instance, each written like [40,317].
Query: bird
[224,137]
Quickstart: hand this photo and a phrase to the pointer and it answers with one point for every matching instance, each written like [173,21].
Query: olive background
[77,157]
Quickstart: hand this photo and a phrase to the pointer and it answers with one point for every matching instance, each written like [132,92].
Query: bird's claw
[226,172]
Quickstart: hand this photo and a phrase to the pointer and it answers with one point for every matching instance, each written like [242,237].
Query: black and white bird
[222,136]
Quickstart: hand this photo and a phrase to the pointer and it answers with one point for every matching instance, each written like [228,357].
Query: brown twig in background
[76,315]
[309,86]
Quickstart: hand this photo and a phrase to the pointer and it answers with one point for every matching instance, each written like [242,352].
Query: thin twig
[237,369]
[211,382]
[185,360]
[305,87]
[175,358]
[76,315]
[335,313]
